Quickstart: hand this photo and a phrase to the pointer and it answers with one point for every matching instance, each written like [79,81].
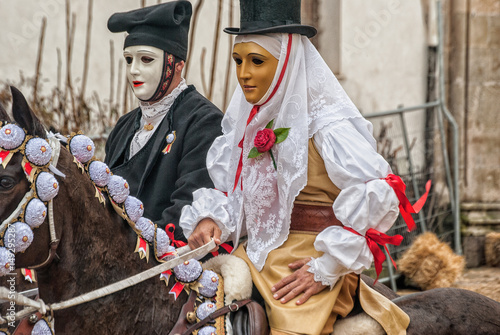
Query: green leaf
[281,134]
[270,124]
[254,153]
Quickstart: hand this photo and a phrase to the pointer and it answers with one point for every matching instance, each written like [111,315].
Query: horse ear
[24,116]
[4,116]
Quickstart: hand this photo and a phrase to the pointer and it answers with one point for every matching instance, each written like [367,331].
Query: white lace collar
[152,116]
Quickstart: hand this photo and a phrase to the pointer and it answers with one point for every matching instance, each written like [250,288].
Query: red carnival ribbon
[373,239]
[28,169]
[3,154]
[166,276]
[176,290]
[405,207]
[224,246]
[256,108]
[171,236]
[28,274]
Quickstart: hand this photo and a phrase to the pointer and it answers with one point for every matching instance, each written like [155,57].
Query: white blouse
[366,200]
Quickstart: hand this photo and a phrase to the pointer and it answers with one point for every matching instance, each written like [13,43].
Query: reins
[39,305]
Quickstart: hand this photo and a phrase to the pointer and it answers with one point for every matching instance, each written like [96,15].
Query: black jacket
[165,182]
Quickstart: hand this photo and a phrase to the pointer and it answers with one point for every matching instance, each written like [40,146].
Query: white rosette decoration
[11,136]
[38,151]
[189,271]
[147,229]
[47,186]
[209,282]
[6,261]
[42,328]
[35,213]
[208,330]
[20,234]
[205,309]
[134,208]
[162,244]
[82,148]
[118,189]
[99,173]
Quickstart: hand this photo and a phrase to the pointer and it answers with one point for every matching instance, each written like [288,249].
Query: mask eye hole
[146,59]
[128,59]
[257,61]
[238,61]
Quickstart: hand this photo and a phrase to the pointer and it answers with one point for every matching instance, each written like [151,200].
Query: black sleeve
[192,172]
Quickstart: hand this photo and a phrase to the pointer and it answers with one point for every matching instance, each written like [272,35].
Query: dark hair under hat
[270,16]
[164,26]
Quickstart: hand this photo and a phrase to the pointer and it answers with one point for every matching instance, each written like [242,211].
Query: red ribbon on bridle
[405,207]
[373,239]
[255,110]
[171,236]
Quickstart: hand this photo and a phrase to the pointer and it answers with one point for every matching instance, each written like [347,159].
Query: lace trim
[152,110]
[318,277]
[153,114]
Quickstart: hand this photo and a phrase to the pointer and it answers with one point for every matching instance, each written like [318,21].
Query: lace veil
[308,98]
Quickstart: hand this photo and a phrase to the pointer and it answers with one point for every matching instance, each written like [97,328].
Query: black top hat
[164,26]
[270,16]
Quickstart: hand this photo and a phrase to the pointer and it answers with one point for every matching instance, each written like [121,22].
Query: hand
[206,230]
[301,281]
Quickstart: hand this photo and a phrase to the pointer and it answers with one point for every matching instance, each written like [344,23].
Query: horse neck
[96,245]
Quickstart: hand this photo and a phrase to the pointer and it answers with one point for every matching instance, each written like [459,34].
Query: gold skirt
[319,313]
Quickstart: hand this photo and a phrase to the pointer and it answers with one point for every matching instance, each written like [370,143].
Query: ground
[483,280]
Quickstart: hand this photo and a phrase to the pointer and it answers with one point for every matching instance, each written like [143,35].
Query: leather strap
[182,323]
[232,307]
[25,327]
[312,218]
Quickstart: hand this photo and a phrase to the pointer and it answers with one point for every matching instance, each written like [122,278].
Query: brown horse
[96,249]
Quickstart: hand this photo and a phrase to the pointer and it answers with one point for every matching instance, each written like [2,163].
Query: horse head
[93,245]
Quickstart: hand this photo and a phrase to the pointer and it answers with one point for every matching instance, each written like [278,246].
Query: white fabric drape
[310,102]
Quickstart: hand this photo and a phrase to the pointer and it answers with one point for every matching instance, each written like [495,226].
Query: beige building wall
[474,99]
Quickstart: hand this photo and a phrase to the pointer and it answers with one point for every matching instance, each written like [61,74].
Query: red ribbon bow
[255,109]
[171,236]
[373,239]
[405,207]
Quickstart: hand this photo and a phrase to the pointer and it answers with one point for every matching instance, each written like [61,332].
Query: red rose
[264,140]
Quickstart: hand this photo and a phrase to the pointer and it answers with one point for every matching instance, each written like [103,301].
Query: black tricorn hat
[164,26]
[270,16]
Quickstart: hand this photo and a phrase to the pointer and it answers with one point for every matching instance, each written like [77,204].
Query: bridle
[54,241]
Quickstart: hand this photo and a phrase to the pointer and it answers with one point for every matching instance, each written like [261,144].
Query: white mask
[144,69]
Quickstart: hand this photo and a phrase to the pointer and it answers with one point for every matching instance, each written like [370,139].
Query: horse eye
[7,183]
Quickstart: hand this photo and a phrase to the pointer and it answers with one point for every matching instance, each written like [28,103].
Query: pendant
[170,140]
[148,127]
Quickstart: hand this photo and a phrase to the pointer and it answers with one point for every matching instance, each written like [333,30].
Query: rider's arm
[365,201]
[212,203]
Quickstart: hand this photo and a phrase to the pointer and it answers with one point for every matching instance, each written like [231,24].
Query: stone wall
[474,99]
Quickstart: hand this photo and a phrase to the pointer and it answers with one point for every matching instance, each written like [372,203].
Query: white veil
[308,98]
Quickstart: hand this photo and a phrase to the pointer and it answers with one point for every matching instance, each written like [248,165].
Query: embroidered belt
[313,218]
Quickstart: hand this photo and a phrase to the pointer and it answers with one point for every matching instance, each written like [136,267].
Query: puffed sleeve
[213,203]
[366,201]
